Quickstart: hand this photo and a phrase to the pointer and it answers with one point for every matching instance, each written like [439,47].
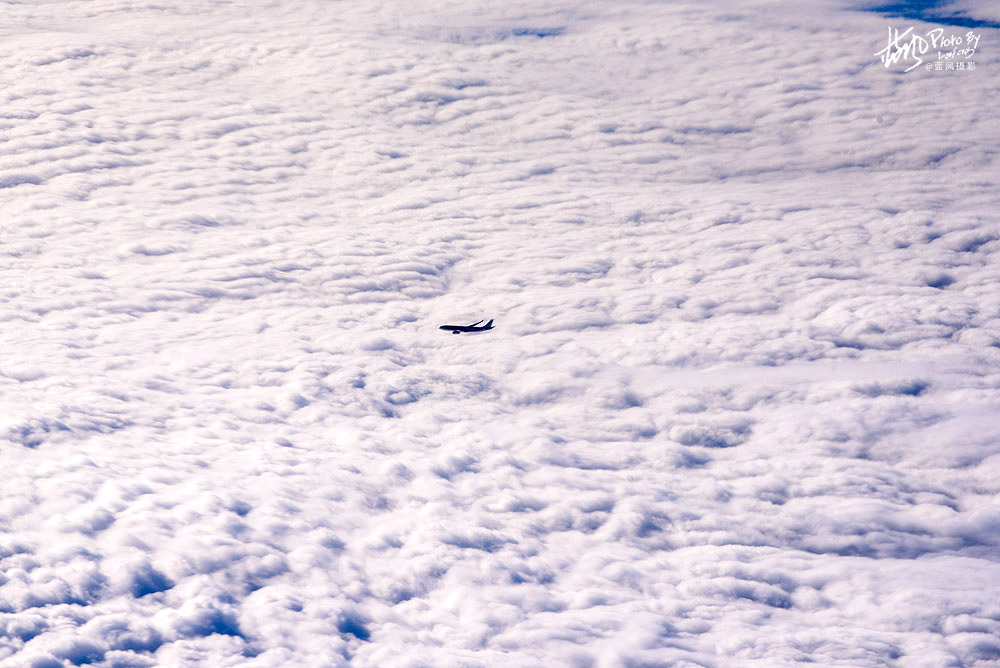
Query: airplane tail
[489,325]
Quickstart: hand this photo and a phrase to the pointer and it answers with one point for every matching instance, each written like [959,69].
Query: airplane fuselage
[474,327]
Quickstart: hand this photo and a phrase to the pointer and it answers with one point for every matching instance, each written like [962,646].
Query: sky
[740,406]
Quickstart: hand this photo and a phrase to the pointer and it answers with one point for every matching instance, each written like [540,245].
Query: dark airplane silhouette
[474,327]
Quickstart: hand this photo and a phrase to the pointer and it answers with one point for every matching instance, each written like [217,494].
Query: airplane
[474,327]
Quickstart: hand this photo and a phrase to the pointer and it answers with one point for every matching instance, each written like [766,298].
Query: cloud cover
[739,407]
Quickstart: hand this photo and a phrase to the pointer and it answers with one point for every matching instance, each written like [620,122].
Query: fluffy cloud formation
[739,407]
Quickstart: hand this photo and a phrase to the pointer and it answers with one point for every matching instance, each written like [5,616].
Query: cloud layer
[739,408]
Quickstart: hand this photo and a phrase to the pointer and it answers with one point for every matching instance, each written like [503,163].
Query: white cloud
[738,407]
